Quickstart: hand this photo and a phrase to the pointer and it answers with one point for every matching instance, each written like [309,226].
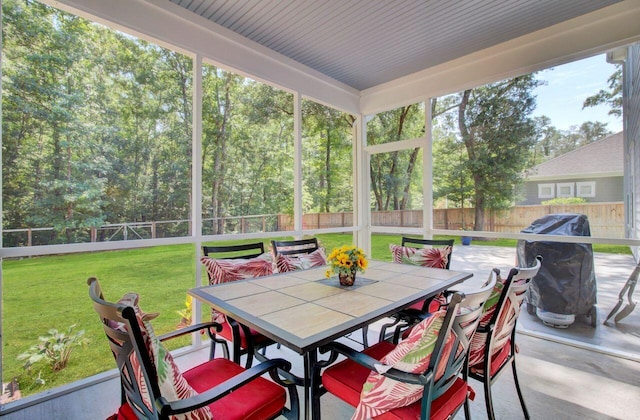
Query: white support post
[361,164]
[427,171]
[196,184]
[297,163]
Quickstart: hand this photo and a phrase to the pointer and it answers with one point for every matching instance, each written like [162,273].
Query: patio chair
[421,377]
[295,247]
[438,254]
[154,388]
[493,347]
[244,339]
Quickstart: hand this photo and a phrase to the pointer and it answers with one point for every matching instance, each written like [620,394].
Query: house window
[565,189]
[586,189]
[546,191]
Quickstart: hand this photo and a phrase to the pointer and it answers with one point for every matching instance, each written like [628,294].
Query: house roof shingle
[600,158]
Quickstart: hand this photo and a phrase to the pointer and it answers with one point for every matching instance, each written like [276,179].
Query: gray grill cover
[566,282]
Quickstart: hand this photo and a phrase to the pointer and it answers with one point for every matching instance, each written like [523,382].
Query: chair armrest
[370,362]
[189,330]
[168,408]
[486,328]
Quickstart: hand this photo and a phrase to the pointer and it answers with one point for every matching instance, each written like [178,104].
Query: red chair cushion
[259,399]
[227,334]
[345,380]
[125,413]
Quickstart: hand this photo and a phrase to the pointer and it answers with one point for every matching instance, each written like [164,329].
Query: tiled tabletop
[303,309]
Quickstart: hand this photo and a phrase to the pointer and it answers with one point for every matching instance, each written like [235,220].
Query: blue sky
[567,88]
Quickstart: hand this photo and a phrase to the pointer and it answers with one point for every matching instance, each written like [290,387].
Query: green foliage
[54,289]
[396,176]
[564,200]
[54,349]
[93,121]
[452,179]
[611,97]
[487,133]
[328,165]
[553,142]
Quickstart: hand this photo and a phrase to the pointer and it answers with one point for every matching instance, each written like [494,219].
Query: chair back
[297,247]
[460,322]
[238,251]
[406,241]
[503,321]
[127,345]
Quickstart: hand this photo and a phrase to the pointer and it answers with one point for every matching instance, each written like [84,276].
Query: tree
[96,124]
[452,179]
[611,97]
[45,90]
[327,159]
[394,174]
[495,128]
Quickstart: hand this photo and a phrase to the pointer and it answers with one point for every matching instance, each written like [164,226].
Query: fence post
[94,234]
[29,238]
[153,230]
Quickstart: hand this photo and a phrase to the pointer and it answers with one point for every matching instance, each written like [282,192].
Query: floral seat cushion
[426,257]
[381,394]
[228,270]
[173,386]
[286,263]
[478,342]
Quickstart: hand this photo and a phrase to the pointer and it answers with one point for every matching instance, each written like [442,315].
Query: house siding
[631,109]
[608,190]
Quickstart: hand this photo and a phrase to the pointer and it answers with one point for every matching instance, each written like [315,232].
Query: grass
[51,292]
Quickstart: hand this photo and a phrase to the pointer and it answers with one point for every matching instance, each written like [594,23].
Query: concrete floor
[579,372]
[558,382]
[574,373]
[612,271]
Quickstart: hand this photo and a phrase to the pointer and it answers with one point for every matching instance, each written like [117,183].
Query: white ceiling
[364,43]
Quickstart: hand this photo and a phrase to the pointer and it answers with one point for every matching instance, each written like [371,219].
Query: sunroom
[137,131]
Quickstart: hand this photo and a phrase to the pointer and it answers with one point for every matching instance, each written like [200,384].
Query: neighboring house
[594,172]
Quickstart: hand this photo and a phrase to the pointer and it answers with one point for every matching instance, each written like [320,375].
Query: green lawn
[51,292]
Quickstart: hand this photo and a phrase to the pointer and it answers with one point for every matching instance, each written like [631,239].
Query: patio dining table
[304,310]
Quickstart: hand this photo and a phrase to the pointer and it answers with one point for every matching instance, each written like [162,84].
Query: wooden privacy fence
[605,219]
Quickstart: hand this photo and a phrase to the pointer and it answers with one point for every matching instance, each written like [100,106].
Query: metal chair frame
[515,287]
[238,252]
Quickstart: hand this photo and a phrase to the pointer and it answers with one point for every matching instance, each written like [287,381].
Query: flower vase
[347,279]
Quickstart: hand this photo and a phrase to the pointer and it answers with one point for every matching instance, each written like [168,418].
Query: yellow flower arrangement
[346,259]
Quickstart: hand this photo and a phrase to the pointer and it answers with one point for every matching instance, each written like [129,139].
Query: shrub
[54,348]
[564,200]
